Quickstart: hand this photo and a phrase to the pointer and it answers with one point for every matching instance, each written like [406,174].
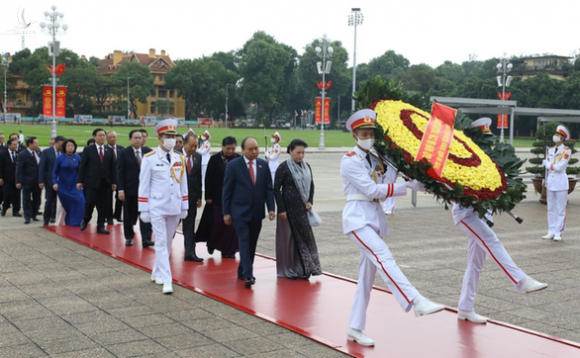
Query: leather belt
[360,197]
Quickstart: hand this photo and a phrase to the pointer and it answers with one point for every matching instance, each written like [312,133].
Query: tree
[418,78]
[140,83]
[82,83]
[451,71]
[388,65]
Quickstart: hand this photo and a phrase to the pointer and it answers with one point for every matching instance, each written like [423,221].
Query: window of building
[162,93]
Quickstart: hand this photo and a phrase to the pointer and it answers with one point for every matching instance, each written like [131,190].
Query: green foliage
[140,83]
[377,88]
[543,141]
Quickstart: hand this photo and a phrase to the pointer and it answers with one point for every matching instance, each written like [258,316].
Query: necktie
[13,158]
[188,164]
[251,169]
[369,160]
[34,156]
[138,158]
[115,152]
[101,154]
[168,158]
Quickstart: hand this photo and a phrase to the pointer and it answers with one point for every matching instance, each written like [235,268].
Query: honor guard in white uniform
[163,199]
[557,184]
[482,241]
[203,150]
[366,183]
[273,154]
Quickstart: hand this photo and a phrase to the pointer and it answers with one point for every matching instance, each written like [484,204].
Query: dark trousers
[49,204]
[11,197]
[30,201]
[114,211]
[188,226]
[131,214]
[248,232]
[97,197]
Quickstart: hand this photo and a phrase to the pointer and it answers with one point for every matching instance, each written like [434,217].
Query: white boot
[557,237]
[548,236]
[356,335]
[528,284]
[167,287]
[471,317]
[426,306]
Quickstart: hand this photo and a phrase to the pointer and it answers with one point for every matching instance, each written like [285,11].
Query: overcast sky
[424,31]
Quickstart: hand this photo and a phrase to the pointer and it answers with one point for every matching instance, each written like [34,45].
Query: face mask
[556,139]
[365,144]
[273,140]
[168,143]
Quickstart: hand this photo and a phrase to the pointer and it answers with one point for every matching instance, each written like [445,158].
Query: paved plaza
[61,299]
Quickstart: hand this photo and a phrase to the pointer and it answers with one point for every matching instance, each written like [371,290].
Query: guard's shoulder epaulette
[351,153]
[150,153]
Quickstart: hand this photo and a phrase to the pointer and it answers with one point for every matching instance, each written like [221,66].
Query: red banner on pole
[47,101]
[61,101]
[437,138]
[318,110]
[502,121]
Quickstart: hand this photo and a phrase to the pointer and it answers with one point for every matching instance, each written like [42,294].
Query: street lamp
[323,68]
[52,26]
[226,117]
[6,59]
[128,100]
[502,68]
[354,19]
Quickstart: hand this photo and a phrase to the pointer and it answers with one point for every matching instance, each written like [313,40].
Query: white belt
[360,197]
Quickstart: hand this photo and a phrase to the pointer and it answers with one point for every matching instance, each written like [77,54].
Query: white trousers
[389,204]
[375,254]
[481,241]
[164,228]
[556,211]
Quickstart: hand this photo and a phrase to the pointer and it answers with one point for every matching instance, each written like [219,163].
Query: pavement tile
[265,328]
[67,304]
[13,339]
[290,340]
[69,344]
[24,309]
[230,334]
[29,350]
[100,326]
[165,330]
[148,319]
[212,350]
[209,324]
[137,348]
[184,341]
[190,313]
[115,337]
[254,345]
[86,353]
[319,351]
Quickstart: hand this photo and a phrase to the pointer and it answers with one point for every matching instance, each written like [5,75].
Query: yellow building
[18,95]
[557,67]
[166,103]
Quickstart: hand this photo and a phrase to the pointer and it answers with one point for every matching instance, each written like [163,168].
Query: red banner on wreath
[318,108]
[60,101]
[437,138]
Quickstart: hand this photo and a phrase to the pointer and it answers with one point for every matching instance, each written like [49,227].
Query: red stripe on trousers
[382,267]
[490,253]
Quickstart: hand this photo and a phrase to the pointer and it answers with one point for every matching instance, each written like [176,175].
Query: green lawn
[81,133]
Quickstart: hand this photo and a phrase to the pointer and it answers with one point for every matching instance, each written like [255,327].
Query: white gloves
[145,217]
[183,214]
[546,163]
[416,185]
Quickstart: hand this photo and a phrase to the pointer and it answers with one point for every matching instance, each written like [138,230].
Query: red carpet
[319,308]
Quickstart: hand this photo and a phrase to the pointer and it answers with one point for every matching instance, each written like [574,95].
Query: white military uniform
[163,194]
[203,150]
[557,188]
[365,223]
[272,156]
[481,241]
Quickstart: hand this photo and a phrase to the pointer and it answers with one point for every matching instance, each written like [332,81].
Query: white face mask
[168,143]
[365,144]
[556,139]
[273,140]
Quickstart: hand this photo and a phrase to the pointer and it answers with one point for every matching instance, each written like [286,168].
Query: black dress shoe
[240,277]
[119,220]
[18,215]
[128,242]
[110,222]
[229,256]
[45,223]
[193,258]
[148,243]
[210,250]
[102,230]
[3,212]
[52,221]
[34,218]
[249,282]
[83,225]
[26,222]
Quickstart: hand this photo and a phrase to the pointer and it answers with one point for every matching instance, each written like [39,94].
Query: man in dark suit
[97,176]
[47,160]
[247,186]
[179,144]
[27,179]
[8,160]
[128,169]
[193,168]
[115,211]
[3,148]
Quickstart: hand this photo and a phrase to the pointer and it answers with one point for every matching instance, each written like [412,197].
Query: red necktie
[138,158]
[188,164]
[251,169]
[101,153]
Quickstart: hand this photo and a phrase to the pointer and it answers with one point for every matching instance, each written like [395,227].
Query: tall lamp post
[52,26]
[6,59]
[323,68]
[354,19]
[226,116]
[128,100]
[503,67]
